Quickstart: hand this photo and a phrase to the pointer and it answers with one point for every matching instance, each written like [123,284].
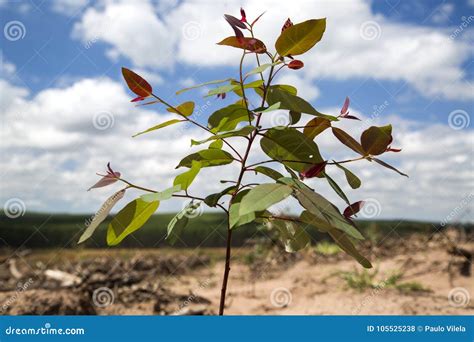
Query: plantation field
[207,230]
[414,273]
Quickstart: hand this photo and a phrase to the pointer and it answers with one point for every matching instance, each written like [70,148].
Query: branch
[195,123]
[131,185]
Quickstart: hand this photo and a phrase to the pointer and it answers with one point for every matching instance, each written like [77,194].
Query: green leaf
[162,195]
[223,89]
[268,172]
[263,196]
[260,69]
[213,199]
[292,235]
[227,118]
[217,144]
[101,215]
[185,179]
[325,210]
[299,38]
[336,188]
[246,43]
[202,85]
[294,117]
[164,124]
[351,178]
[290,147]
[346,245]
[375,140]
[132,217]
[242,132]
[284,87]
[347,140]
[179,222]
[254,84]
[185,109]
[388,166]
[320,222]
[316,126]
[209,157]
[235,219]
[292,102]
[273,107]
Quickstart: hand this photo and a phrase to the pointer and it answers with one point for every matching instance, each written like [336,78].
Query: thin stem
[243,88]
[256,55]
[195,123]
[238,183]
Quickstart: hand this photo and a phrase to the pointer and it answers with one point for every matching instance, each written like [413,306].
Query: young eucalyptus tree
[292,147]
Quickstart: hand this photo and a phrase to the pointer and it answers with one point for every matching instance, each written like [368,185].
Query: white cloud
[69,7]
[51,150]
[355,46]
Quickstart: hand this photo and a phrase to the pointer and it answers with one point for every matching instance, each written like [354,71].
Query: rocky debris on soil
[44,302]
[68,287]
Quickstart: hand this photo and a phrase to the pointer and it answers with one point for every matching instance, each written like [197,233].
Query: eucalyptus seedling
[292,152]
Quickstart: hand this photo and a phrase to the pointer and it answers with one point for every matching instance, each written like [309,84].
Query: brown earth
[412,277]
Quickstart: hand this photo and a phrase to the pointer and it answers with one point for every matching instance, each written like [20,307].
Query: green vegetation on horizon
[43,230]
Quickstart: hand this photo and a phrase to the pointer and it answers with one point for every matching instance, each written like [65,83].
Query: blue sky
[405,62]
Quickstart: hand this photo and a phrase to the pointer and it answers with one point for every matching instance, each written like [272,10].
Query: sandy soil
[307,288]
[413,278]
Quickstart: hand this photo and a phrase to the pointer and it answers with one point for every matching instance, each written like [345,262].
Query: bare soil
[413,276]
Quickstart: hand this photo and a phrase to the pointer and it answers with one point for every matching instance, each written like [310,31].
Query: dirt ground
[415,277]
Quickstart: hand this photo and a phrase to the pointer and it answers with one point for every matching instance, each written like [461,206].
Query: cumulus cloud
[69,7]
[355,46]
[54,142]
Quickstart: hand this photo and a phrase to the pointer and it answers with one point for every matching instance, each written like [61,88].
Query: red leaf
[136,83]
[350,117]
[110,178]
[233,21]
[295,64]
[244,17]
[287,24]
[251,44]
[313,170]
[353,209]
[137,99]
[345,106]
[389,149]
